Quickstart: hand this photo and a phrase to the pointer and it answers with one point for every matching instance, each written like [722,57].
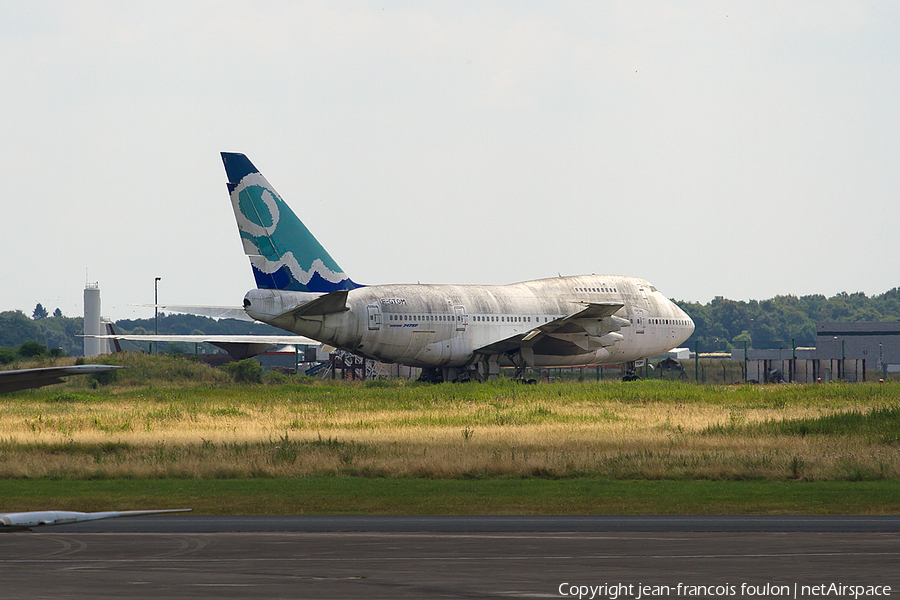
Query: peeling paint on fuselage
[426,325]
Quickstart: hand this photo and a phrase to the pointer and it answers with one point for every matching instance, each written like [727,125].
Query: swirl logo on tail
[283,253]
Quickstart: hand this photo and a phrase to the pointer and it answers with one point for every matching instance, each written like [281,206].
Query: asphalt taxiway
[447,557]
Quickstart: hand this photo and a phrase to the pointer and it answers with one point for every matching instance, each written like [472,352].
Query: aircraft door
[373,316]
[643,292]
[639,320]
[462,318]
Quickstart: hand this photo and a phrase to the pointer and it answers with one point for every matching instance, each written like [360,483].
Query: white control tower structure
[93,346]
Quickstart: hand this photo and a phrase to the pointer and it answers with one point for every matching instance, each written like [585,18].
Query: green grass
[881,425]
[368,496]
[169,433]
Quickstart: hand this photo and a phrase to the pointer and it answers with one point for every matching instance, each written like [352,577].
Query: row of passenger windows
[479,318]
[424,318]
[605,290]
[668,322]
[507,319]
[504,319]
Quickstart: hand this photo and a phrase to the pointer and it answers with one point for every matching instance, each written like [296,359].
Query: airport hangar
[843,351]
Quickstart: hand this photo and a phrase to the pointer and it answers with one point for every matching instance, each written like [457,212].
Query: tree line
[779,322]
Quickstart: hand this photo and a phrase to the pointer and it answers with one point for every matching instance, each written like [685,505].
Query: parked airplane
[26,520]
[453,332]
[23,379]
[239,346]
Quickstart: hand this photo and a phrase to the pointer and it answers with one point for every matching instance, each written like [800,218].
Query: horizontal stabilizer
[334,302]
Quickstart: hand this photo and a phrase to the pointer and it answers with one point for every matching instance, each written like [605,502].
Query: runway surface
[449,557]
[491,524]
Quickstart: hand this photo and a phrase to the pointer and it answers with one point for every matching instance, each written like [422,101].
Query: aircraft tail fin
[283,253]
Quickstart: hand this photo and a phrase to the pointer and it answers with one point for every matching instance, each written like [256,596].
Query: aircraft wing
[27,520]
[238,346]
[23,379]
[594,320]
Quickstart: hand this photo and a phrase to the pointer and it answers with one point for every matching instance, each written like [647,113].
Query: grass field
[383,496]
[652,446]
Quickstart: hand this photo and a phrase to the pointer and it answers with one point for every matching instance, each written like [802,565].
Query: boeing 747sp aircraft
[453,332]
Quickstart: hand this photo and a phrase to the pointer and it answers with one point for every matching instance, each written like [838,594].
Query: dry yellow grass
[605,430]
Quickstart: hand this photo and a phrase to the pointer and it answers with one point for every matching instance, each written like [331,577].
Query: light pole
[843,355]
[843,359]
[156,306]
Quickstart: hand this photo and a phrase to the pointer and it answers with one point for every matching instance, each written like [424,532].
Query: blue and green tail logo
[283,253]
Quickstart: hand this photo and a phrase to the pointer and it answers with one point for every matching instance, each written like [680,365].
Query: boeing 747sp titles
[453,332]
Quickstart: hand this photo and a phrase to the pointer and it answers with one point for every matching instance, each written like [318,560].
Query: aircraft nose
[690,322]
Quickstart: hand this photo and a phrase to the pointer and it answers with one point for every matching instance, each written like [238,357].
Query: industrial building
[843,352]
[876,343]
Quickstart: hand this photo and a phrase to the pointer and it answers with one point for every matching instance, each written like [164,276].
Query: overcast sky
[741,149]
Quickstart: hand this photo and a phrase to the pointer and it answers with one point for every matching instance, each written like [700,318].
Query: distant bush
[245,371]
[8,355]
[32,350]
[275,377]
[155,369]
[104,378]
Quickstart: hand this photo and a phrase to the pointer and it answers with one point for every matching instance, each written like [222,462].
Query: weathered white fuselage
[424,325]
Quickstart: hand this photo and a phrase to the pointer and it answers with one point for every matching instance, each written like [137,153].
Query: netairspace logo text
[621,591]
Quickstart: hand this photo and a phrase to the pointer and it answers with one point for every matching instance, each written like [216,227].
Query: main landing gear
[440,375]
[431,375]
[521,365]
[630,372]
